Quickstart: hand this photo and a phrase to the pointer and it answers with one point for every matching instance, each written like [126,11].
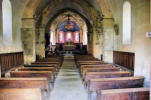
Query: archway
[37,20]
[64,26]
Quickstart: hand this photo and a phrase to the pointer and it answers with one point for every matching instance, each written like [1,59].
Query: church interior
[75,49]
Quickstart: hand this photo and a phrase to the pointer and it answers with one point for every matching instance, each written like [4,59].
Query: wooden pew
[91,60]
[47,62]
[93,75]
[47,74]
[98,70]
[96,66]
[52,69]
[41,83]
[89,63]
[124,94]
[114,83]
[37,69]
[42,65]
[20,94]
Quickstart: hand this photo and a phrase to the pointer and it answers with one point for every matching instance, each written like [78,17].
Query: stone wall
[0,29]
[16,45]
[40,43]
[140,44]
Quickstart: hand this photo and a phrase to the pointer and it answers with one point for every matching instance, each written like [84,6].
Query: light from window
[126,23]
[7,21]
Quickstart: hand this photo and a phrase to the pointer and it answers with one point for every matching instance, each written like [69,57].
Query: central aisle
[68,85]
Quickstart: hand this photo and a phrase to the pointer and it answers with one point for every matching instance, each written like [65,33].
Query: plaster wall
[150,57]
[0,22]
[16,45]
[0,29]
[140,44]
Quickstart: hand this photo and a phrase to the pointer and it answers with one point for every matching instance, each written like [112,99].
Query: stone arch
[59,18]
[30,8]
[37,15]
[89,25]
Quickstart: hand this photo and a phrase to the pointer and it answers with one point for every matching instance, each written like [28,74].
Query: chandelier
[69,25]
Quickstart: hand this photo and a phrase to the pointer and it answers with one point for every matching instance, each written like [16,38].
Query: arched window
[126,22]
[7,21]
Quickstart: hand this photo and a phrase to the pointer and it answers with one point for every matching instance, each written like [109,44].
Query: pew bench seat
[84,71]
[20,94]
[41,83]
[95,75]
[95,66]
[115,83]
[124,94]
[34,74]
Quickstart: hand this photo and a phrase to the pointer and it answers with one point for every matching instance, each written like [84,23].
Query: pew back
[47,74]
[115,83]
[20,94]
[41,83]
[92,75]
[124,94]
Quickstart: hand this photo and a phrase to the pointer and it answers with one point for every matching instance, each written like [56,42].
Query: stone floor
[68,84]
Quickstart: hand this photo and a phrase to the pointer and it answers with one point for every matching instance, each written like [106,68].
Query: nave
[68,84]
[75,49]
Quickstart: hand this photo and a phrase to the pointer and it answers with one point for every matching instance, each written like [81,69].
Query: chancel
[75,49]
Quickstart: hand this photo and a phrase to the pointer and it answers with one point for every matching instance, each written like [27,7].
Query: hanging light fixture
[68,18]
[69,25]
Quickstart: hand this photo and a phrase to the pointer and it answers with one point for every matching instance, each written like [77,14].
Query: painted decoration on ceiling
[69,31]
[67,26]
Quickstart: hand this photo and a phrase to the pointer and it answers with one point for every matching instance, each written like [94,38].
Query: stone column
[29,41]
[97,42]
[90,42]
[108,39]
[40,45]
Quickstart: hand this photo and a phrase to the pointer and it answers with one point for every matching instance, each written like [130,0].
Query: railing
[11,60]
[125,59]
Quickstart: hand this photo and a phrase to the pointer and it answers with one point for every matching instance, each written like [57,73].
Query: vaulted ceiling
[45,11]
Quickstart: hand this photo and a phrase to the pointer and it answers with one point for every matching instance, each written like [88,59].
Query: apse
[68,26]
[68,31]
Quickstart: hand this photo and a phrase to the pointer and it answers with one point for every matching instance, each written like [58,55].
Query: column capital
[108,18]
[28,22]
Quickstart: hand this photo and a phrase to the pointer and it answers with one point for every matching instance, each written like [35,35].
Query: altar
[69,46]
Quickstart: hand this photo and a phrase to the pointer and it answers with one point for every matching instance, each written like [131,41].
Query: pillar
[40,45]
[97,42]
[90,43]
[29,42]
[108,39]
